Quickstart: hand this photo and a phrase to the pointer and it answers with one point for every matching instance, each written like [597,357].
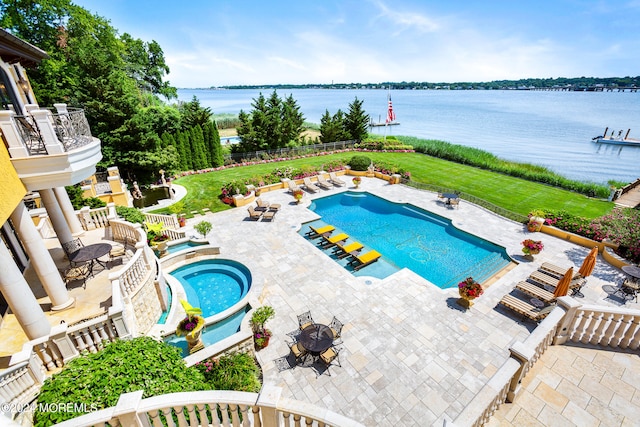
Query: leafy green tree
[91,67]
[330,131]
[356,121]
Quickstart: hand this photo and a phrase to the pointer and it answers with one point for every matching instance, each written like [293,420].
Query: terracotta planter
[265,343]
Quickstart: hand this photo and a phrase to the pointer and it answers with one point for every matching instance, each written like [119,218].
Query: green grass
[513,194]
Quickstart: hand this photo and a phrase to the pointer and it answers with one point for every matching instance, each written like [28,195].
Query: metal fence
[288,152]
[470,198]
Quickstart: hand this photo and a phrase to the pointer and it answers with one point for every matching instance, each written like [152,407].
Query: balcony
[50,148]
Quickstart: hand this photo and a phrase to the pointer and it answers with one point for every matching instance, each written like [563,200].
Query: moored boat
[616,139]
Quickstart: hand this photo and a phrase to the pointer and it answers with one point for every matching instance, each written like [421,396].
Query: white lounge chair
[309,185]
[333,178]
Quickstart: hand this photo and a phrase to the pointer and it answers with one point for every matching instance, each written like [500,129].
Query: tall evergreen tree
[292,122]
[356,121]
[328,129]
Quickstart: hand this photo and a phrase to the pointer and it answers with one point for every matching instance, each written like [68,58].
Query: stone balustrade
[219,408]
[569,321]
[169,221]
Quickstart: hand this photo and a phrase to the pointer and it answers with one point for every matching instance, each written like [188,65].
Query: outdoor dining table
[449,197]
[316,338]
[90,254]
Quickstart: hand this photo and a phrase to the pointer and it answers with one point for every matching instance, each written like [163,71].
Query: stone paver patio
[411,355]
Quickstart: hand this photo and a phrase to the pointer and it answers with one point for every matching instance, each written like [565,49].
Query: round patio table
[90,253]
[632,271]
[316,338]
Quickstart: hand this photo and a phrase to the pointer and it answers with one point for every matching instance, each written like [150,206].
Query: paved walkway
[411,355]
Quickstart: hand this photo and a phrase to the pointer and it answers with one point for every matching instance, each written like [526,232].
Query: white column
[68,211]
[20,299]
[55,215]
[40,258]
[51,142]
[8,127]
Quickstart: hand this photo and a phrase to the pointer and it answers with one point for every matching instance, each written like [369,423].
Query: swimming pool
[409,237]
[214,285]
[188,244]
[212,333]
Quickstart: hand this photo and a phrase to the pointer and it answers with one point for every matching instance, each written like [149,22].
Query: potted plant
[356,181]
[536,220]
[261,334]
[469,290]
[203,228]
[297,194]
[532,247]
[191,326]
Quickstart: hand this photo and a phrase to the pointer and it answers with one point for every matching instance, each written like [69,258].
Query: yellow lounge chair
[317,232]
[360,261]
[322,182]
[254,214]
[331,241]
[343,251]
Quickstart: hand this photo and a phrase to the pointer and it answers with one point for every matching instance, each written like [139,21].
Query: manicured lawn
[514,194]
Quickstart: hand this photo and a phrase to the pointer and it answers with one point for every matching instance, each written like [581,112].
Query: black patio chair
[72,247]
[294,335]
[305,320]
[298,351]
[327,358]
[336,329]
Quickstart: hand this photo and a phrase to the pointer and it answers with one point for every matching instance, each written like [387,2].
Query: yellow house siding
[11,189]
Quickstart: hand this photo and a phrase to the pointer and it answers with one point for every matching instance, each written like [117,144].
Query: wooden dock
[630,197]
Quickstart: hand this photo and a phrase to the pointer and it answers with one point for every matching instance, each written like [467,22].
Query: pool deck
[411,355]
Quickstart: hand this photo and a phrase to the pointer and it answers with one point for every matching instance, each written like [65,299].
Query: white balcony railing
[42,129]
[218,408]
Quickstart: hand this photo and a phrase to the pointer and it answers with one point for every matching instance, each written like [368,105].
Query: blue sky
[254,42]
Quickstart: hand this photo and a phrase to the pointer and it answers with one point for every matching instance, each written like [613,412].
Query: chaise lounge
[309,185]
[536,292]
[333,178]
[361,261]
[323,183]
[343,251]
[525,309]
[328,242]
[314,232]
[546,280]
[553,269]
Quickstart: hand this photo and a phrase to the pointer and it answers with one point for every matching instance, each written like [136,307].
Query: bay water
[548,128]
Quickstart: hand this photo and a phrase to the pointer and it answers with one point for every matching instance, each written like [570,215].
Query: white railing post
[523,354]
[565,327]
[11,135]
[49,137]
[85,218]
[126,410]
[268,402]
[111,211]
[62,340]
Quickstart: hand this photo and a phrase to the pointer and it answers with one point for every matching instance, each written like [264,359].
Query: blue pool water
[214,285]
[213,333]
[408,237]
[184,245]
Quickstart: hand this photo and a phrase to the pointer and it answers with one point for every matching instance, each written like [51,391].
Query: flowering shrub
[297,194]
[530,246]
[237,371]
[469,288]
